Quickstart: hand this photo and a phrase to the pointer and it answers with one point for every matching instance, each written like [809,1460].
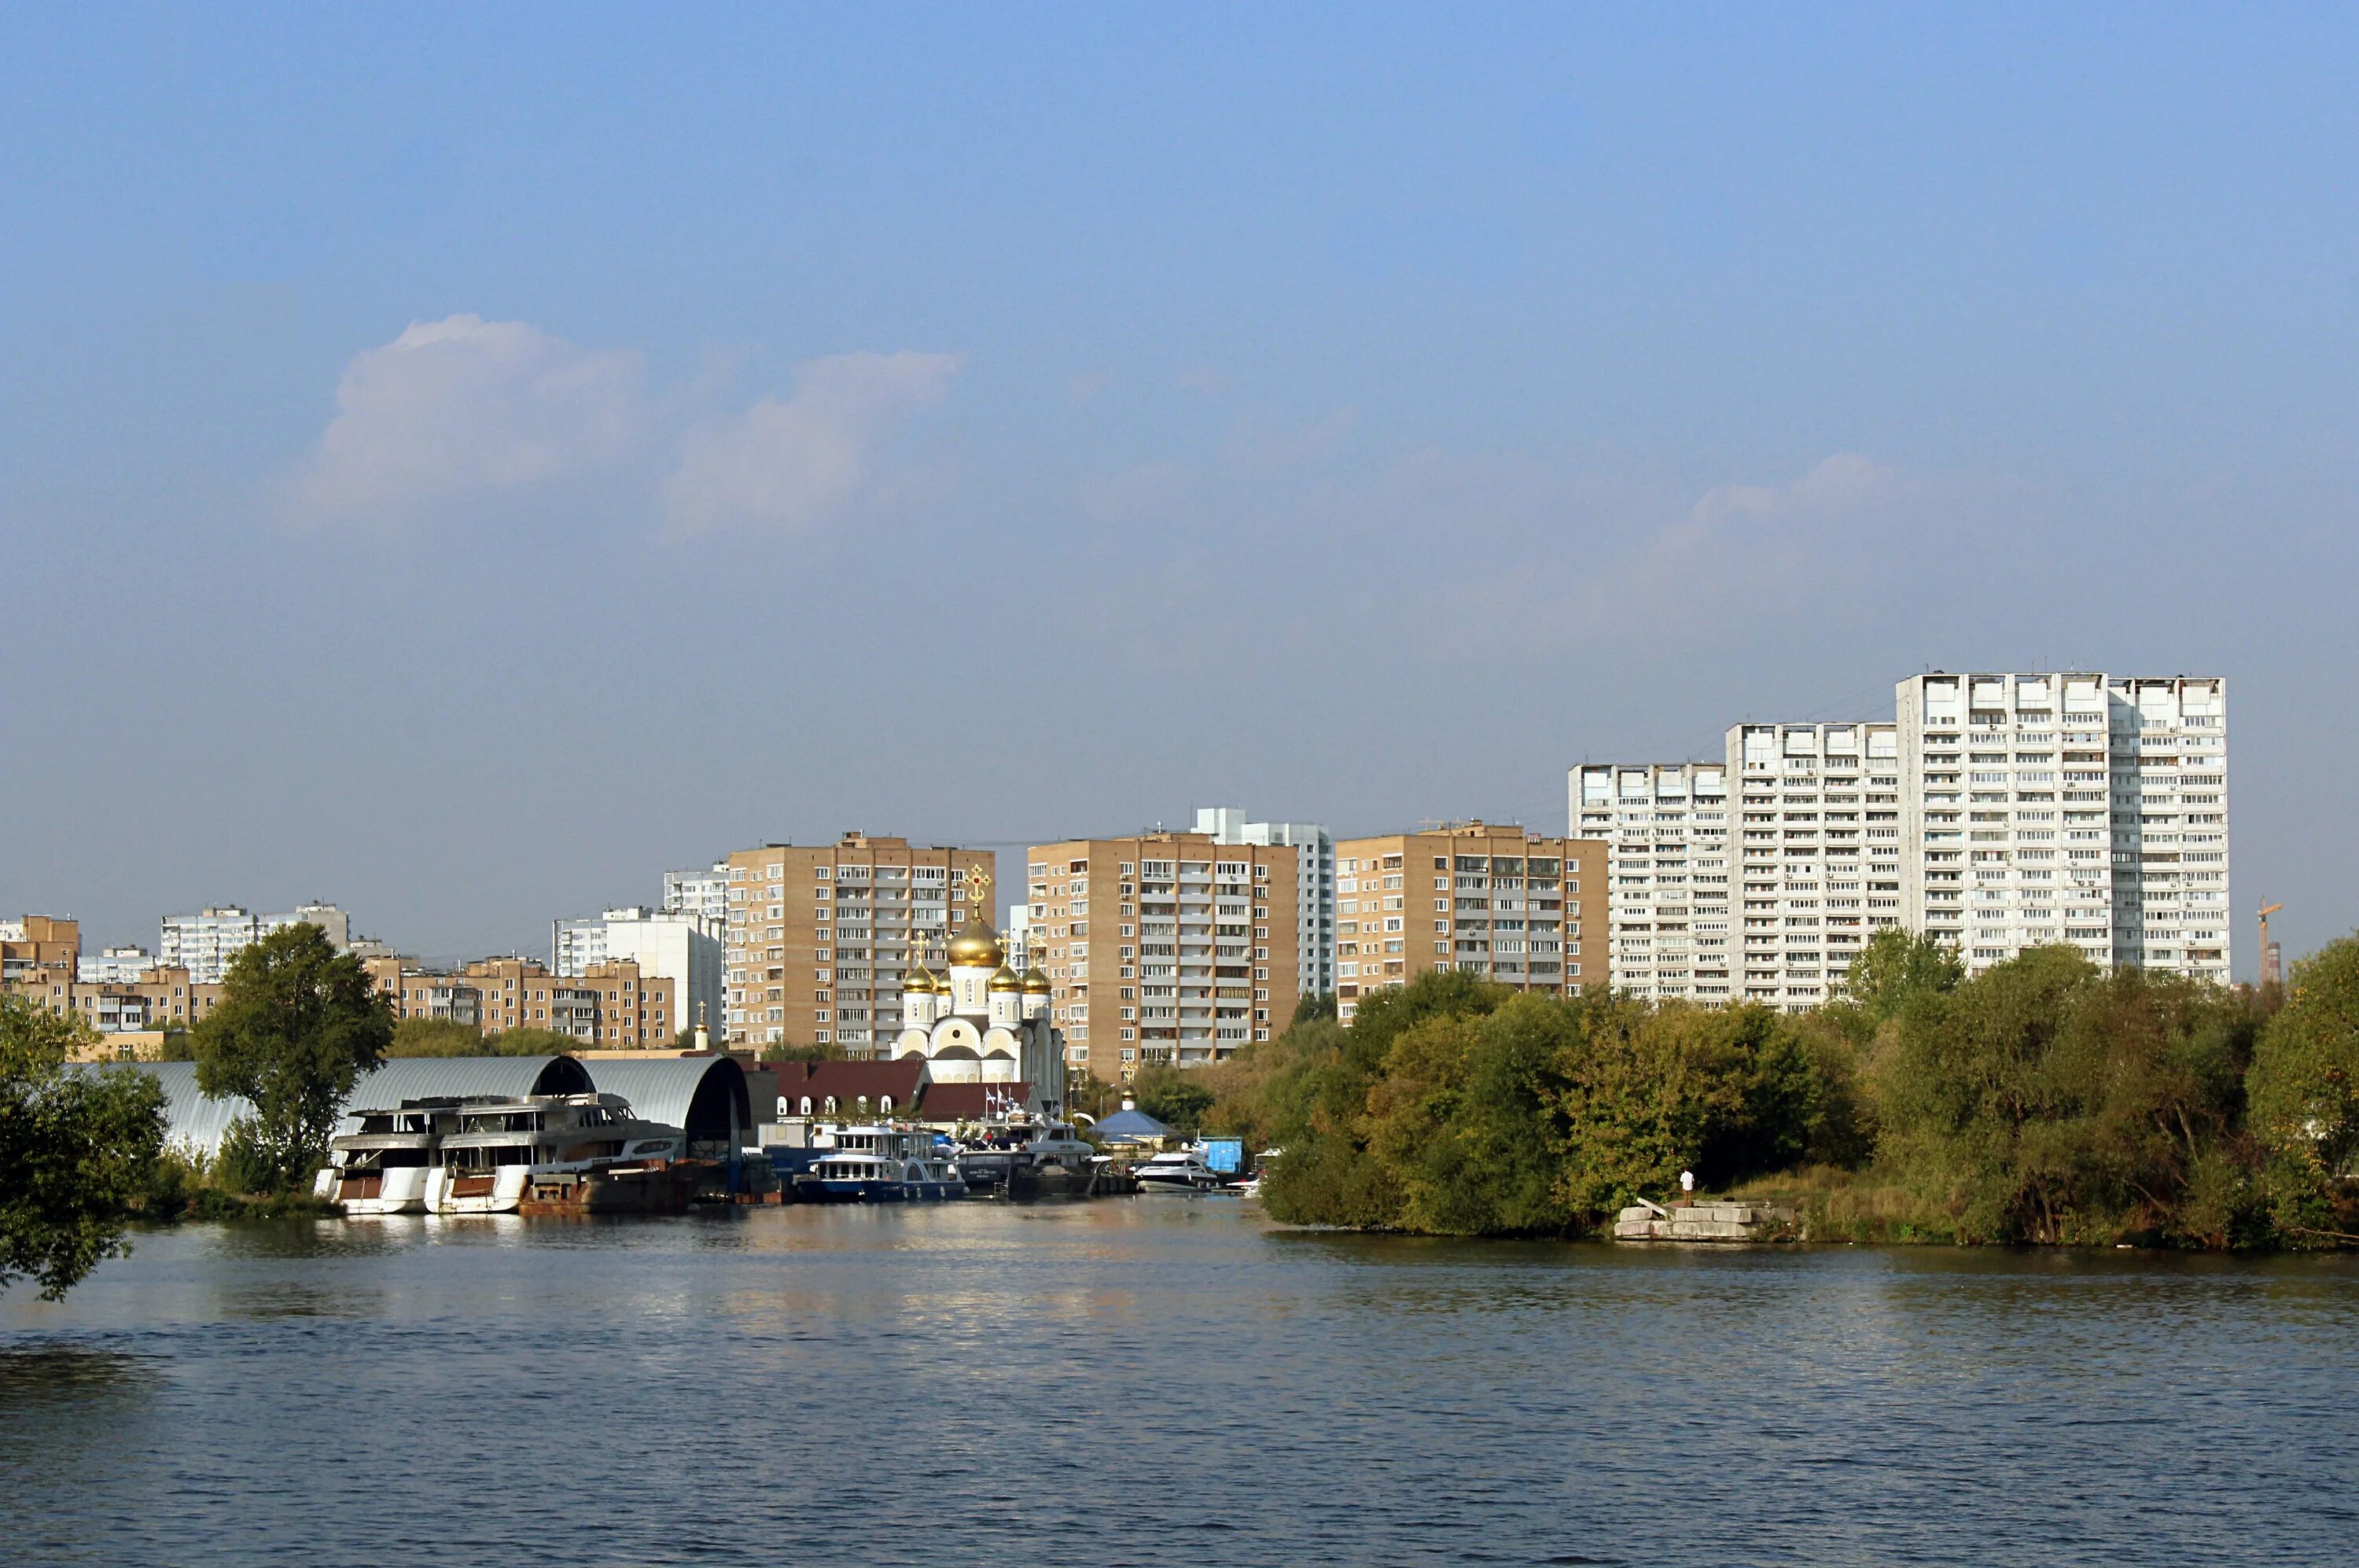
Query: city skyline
[423,488]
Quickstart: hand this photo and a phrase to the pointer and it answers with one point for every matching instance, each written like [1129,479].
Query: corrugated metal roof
[193,1120]
[436,1077]
[662,1089]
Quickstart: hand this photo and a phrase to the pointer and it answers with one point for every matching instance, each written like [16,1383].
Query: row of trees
[2044,1100]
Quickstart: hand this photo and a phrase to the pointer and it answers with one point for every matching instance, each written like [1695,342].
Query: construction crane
[2261,977]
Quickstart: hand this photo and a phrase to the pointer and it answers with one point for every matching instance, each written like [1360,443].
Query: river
[1163,1382]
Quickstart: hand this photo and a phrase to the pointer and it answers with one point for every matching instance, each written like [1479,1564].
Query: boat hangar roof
[197,1121]
[193,1120]
[704,1096]
[438,1077]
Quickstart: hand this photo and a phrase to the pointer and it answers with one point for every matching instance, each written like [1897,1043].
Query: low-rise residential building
[610,1003]
[821,936]
[165,997]
[1314,887]
[1166,947]
[1484,898]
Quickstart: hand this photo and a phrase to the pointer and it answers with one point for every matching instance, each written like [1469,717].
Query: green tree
[75,1150]
[784,1050]
[1316,1102]
[435,1037]
[1176,1096]
[296,1025]
[1647,1092]
[1320,1009]
[1896,964]
[2305,1095]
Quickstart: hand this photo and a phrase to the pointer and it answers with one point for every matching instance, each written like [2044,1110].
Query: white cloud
[1839,483]
[790,465]
[1631,563]
[465,404]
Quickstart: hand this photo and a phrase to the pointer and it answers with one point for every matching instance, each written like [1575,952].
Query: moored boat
[382,1168]
[1179,1170]
[879,1165]
[557,1153]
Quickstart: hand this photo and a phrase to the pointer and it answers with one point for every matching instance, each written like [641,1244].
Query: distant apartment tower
[821,936]
[1818,851]
[2068,807]
[1015,934]
[1665,826]
[204,943]
[115,966]
[1163,947]
[1480,897]
[1314,887]
[665,945]
[704,895]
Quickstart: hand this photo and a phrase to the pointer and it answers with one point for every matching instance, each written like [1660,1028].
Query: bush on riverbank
[1457,1107]
[2045,1100]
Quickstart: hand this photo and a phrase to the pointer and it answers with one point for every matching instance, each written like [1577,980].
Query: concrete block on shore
[1706,1222]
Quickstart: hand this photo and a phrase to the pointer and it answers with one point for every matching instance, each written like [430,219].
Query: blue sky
[459,462]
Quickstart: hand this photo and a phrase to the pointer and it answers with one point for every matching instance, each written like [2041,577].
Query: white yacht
[552,1153]
[382,1168]
[1182,1170]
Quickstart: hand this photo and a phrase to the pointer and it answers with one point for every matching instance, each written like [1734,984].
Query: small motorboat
[1182,1170]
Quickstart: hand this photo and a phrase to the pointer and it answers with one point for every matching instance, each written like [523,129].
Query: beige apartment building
[610,1004]
[166,998]
[1165,947]
[819,936]
[1487,899]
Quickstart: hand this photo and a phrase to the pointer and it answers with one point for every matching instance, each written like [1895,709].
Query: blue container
[1225,1155]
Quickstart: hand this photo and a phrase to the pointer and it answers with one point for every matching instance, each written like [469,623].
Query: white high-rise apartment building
[1314,894]
[1666,825]
[2068,807]
[666,945]
[203,943]
[1819,852]
[703,894]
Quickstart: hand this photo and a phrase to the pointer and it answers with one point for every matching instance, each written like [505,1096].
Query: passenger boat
[382,1168]
[558,1154]
[1182,1170]
[879,1165]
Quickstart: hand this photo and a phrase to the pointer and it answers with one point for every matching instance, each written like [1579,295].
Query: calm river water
[1168,1381]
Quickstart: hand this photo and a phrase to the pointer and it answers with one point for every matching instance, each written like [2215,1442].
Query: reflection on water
[1134,1380]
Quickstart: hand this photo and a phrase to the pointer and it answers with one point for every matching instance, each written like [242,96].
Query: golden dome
[976,946]
[920,979]
[1036,983]
[1006,980]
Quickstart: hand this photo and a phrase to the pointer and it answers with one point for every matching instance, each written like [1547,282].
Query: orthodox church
[983,1023]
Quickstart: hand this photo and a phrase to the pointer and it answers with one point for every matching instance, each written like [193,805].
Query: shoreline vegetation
[2042,1102]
